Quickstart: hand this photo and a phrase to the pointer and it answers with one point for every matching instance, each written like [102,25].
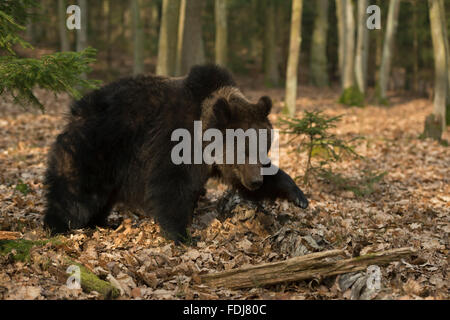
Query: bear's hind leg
[173,220]
[173,212]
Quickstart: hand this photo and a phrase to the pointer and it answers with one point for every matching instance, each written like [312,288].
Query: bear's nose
[255,184]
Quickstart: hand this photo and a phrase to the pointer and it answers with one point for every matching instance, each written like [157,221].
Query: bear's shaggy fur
[117,144]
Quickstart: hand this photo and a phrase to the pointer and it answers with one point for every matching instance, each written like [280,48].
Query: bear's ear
[264,105]
[222,111]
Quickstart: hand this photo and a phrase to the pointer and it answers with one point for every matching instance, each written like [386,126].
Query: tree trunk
[319,73]
[385,70]
[255,45]
[293,57]
[415,78]
[168,38]
[30,33]
[138,38]
[125,30]
[64,40]
[299,268]
[447,50]
[283,40]
[378,51]
[190,50]
[348,64]
[82,33]
[361,53]
[365,57]
[156,16]
[107,31]
[271,73]
[435,124]
[221,46]
[351,95]
[181,22]
[340,15]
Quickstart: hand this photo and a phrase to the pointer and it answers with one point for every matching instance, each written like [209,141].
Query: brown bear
[116,148]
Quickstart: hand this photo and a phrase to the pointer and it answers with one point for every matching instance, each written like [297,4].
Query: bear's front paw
[302,203]
[300,200]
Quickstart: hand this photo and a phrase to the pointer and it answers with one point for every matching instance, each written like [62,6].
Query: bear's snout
[250,176]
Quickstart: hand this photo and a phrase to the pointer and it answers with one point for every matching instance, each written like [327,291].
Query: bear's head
[240,123]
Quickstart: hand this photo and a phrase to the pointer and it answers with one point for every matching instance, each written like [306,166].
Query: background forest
[364,116]
[253,39]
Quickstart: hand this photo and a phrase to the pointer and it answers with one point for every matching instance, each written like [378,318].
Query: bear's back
[147,95]
[132,95]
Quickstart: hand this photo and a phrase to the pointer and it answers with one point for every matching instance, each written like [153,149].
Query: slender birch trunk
[348,65]
[293,58]
[64,40]
[167,46]
[107,30]
[436,122]
[271,74]
[221,45]
[340,15]
[190,48]
[385,70]
[82,33]
[447,49]
[138,38]
[319,73]
[361,47]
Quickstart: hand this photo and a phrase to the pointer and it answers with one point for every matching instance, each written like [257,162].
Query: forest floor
[409,206]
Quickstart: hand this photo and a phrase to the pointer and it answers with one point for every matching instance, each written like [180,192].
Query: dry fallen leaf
[412,287]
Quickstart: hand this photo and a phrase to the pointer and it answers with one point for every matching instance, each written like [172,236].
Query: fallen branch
[299,268]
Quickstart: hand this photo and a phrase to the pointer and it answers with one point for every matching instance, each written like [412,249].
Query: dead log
[9,235]
[299,268]
[88,280]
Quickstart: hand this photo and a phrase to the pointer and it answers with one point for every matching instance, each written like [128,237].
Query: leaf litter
[409,206]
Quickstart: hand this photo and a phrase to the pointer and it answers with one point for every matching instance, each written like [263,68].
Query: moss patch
[90,282]
[352,97]
[19,248]
[22,187]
